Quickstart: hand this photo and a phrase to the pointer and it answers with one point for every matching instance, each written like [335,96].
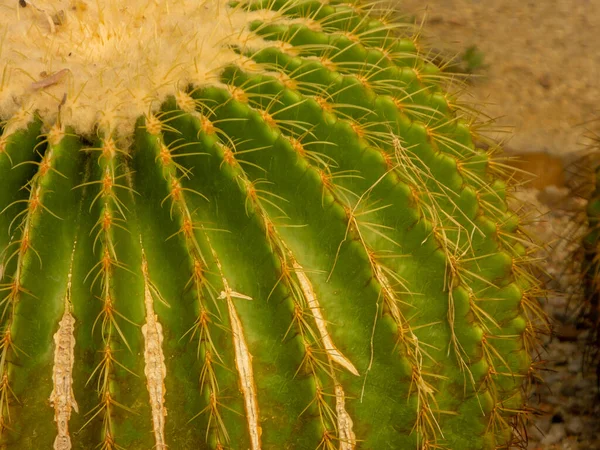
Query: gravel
[567,399]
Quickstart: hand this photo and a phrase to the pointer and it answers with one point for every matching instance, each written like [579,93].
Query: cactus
[250,225]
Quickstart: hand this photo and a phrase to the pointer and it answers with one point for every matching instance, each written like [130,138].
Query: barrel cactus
[250,225]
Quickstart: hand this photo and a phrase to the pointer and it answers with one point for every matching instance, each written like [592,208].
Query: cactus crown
[250,225]
[111,61]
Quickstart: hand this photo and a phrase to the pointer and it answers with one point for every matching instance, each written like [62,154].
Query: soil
[542,63]
[540,77]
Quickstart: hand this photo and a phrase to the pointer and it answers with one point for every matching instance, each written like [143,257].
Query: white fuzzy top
[114,60]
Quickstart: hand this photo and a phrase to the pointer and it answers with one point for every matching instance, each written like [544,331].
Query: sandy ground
[542,79]
[543,58]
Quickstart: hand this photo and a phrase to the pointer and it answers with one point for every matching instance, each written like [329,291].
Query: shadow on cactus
[258,225]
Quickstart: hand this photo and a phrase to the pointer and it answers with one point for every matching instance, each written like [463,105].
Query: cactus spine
[250,225]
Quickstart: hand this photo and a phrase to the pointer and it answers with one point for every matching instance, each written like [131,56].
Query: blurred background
[535,69]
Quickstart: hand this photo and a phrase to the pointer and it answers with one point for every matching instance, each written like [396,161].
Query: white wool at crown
[107,62]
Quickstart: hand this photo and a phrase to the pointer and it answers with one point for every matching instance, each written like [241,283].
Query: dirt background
[542,57]
[540,80]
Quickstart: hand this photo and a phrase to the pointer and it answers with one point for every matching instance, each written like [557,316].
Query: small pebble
[574,425]
[556,433]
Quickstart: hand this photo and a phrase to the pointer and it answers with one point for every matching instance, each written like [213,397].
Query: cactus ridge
[308,252]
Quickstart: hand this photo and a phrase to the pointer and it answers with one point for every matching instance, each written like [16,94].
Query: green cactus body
[291,242]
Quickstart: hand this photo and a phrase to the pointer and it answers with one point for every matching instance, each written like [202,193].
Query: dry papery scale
[250,225]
